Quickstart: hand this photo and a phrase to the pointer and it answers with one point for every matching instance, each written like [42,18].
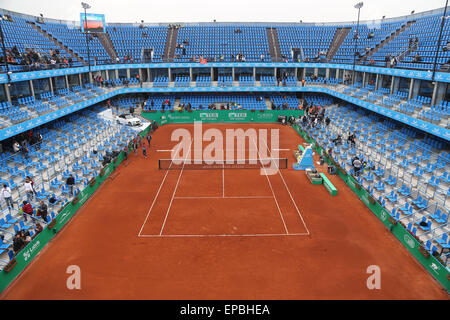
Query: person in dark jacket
[18,243]
[70,183]
[42,210]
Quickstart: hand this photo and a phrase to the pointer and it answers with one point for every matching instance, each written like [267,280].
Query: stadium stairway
[387,40]
[339,37]
[73,54]
[171,44]
[274,45]
[106,42]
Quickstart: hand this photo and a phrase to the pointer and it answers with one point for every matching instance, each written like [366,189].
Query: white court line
[282,149]
[175,190]
[240,197]
[287,188]
[164,150]
[273,193]
[156,196]
[222,235]
[223,181]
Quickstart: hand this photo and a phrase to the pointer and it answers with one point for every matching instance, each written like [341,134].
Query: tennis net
[179,164]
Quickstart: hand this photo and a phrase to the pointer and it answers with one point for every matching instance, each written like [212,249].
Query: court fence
[219,116]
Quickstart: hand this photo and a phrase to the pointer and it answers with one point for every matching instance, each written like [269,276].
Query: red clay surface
[222,234]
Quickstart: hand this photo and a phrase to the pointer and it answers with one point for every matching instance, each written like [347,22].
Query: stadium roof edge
[348,23]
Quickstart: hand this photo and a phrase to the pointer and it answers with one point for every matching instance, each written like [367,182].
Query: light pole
[4,47]
[439,40]
[87,6]
[357,6]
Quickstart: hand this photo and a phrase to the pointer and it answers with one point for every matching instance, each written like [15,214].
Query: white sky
[154,11]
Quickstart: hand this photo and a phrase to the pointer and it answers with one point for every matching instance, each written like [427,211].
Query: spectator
[417,58]
[18,243]
[24,150]
[16,146]
[38,228]
[357,165]
[70,182]
[27,209]
[39,140]
[7,195]
[29,191]
[351,138]
[337,140]
[42,210]
[52,200]
[125,152]
[144,150]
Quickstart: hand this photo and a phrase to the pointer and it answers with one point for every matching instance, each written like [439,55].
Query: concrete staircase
[176,103]
[338,39]
[106,42]
[274,46]
[171,44]
[387,40]
[75,56]
[268,103]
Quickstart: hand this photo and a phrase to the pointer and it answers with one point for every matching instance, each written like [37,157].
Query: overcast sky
[224,10]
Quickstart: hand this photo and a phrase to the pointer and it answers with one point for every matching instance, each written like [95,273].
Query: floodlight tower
[86,6]
[2,35]
[357,6]
[444,16]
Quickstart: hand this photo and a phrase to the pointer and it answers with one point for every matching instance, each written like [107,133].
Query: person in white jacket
[29,191]
[7,195]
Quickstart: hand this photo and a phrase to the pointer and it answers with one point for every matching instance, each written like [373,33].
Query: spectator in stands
[39,140]
[387,59]
[70,182]
[52,200]
[42,210]
[139,80]
[125,152]
[337,140]
[351,139]
[327,121]
[357,165]
[29,191]
[32,183]
[18,243]
[7,196]
[16,147]
[27,209]
[38,228]
[417,58]
[24,150]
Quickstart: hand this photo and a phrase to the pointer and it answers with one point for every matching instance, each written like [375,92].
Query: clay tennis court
[223,234]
